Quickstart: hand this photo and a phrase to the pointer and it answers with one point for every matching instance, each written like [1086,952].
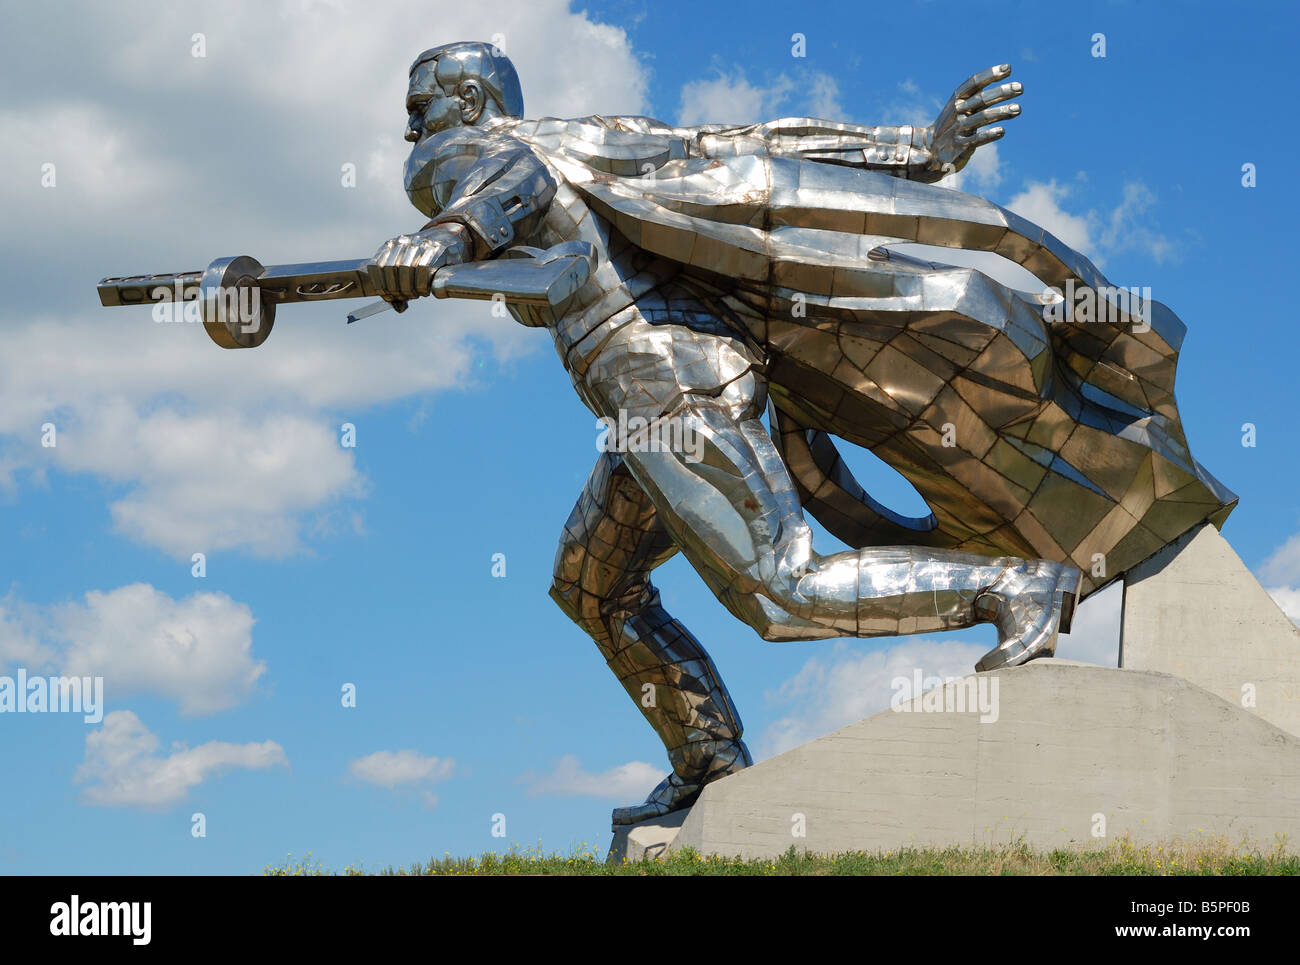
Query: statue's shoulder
[620,145]
[638,124]
[543,128]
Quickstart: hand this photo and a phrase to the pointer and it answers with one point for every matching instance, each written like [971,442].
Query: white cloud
[730,98]
[1041,203]
[403,770]
[627,782]
[1283,565]
[910,104]
[1097,234]
[222,449]
[96,168]
[394,768]
[981,175]
[1125,227]
[208,482]
[196,650]
[836,689]
[823,98]
[123,768]
[19,645]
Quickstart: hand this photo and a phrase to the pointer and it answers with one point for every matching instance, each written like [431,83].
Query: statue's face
[429,110]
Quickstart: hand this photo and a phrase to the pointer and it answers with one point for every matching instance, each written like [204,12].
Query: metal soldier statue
[715,273]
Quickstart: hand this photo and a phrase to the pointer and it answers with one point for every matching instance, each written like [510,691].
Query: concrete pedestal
[1078,755]
[1195,610]
[1196,735]
[649,839]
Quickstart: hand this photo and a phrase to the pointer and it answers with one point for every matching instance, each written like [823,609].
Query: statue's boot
[713,759]
[1030,605]
[674,682]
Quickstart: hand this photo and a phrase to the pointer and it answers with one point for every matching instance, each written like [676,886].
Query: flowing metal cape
[1071,423]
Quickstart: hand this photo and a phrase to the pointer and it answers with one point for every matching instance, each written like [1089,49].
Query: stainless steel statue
[717,273]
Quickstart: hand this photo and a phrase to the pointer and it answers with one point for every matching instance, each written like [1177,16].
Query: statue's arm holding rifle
[484,191]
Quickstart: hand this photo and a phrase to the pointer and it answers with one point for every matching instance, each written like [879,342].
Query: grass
[1215,857]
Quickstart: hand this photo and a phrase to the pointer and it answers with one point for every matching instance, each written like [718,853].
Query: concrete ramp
[1195,610]
[1077,755]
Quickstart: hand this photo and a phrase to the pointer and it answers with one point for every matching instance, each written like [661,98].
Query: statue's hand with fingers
[969,119]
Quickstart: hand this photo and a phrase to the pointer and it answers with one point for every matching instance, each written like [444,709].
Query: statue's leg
[610,544]
[728,500]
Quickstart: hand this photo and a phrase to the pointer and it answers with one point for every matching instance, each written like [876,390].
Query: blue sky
[373,565]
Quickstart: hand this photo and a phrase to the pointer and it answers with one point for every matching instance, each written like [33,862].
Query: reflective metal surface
[742,270]
[747,268]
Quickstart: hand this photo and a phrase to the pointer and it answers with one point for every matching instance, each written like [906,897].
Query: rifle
[237,297]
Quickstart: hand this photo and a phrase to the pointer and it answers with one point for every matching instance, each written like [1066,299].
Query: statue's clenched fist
[403,267]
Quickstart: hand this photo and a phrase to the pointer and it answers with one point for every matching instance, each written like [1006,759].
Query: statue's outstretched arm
[903,151]
[916,153]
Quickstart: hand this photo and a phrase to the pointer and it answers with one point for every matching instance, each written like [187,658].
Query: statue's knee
[773,613]
[581,606]
[775,631]
[767,619]
[566,585]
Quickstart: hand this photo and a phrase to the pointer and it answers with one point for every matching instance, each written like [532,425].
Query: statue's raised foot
[1030,606]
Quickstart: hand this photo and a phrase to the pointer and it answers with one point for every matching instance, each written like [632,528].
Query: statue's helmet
[472,60]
